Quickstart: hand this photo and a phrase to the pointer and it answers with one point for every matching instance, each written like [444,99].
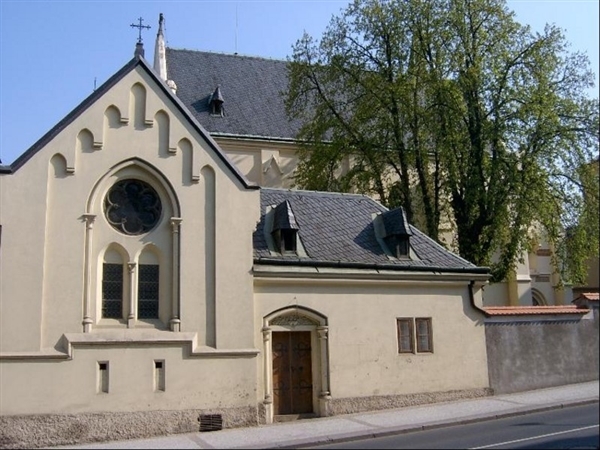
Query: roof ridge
[329,193]
[234,55]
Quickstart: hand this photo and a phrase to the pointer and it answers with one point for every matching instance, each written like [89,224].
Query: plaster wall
[267,163]
[363,342]
[72,386]
[533,353]
[43,290]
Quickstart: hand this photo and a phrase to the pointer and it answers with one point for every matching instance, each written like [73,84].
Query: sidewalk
[370,424]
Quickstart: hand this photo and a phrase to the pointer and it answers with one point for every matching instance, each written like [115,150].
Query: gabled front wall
[356,345]
[55,238]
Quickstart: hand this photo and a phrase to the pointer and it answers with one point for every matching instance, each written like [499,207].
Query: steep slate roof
[337,229]
[250,86]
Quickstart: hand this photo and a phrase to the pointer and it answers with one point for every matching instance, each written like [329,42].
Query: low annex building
[146,284]
[252,128]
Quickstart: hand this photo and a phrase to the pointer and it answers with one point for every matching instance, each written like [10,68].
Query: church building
[158,275]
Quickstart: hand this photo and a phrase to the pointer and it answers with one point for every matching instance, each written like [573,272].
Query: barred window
[112,291]
[415,335]
[148,291]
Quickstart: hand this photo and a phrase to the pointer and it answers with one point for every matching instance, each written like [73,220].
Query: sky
[53,53]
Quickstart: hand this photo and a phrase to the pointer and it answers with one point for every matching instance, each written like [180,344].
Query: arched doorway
[296,363]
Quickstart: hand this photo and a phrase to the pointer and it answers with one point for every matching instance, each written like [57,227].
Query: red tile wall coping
[527,310]
[589,296]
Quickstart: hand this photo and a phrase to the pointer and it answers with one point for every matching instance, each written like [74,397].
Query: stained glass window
[132,207]
[112,291]
[148,291]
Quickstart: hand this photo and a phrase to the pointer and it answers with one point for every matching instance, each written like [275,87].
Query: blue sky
[52,52]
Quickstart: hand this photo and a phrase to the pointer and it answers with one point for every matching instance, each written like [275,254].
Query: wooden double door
[292,373]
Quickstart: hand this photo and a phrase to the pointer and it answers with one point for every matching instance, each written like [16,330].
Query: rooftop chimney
[139,50]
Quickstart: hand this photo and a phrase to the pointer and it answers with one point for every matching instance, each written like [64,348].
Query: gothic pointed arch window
[139,217]
[148,301]
[113,268]
[537,298]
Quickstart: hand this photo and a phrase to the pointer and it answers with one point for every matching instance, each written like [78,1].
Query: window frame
[428,334]
[410,322]
[414,335]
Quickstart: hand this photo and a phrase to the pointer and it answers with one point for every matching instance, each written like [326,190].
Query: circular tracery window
[132,207]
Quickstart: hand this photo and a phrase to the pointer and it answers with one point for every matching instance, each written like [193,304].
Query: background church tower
[160,55]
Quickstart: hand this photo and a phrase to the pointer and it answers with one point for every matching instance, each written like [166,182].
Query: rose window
[132,207]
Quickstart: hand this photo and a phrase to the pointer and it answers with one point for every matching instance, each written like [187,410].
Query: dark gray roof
[251,87]
[337,229]
[395,222]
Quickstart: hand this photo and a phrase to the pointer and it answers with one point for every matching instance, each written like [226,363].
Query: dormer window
[397,233]
[285,229]
[398,245]
[286,240]
[215,102]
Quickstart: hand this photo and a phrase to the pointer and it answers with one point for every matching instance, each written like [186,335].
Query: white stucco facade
[208,348]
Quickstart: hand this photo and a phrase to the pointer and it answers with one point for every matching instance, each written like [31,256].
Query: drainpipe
[472,299]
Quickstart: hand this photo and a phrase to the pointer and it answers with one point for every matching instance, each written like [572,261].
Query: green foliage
[458,113]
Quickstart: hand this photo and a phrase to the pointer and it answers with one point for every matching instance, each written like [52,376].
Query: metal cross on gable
[140,26]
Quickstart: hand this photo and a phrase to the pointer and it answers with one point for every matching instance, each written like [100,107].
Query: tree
[453,110]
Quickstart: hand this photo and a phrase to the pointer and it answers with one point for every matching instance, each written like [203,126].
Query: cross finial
[140,26]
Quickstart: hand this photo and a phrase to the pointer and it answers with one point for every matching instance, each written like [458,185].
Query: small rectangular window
[148,291]
[159,375]
[415,335]
[424,341]
[103,377]
[405,335]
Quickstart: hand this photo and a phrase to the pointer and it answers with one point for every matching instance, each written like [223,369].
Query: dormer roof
[216,102]
[284,218]
[395,223]
[217,96]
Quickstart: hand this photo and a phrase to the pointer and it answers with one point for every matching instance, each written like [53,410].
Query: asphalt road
[567,428]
